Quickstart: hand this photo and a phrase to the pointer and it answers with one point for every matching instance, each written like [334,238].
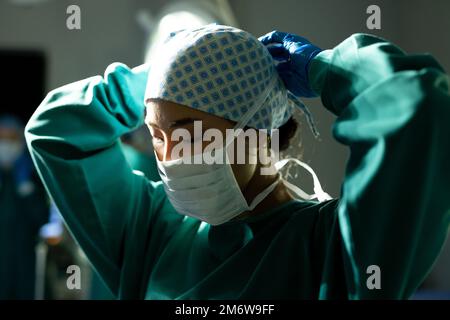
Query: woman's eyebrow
[182,122]
[175,123]
[151,124]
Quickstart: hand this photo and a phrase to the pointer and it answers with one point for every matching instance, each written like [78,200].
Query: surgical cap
[12,122]
[223,71]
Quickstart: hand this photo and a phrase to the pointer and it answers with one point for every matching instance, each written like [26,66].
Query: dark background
[23,81]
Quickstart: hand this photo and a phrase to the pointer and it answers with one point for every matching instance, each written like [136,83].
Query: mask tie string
[318,191]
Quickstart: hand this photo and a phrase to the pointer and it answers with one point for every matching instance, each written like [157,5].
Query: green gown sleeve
[73,137]
[393,112]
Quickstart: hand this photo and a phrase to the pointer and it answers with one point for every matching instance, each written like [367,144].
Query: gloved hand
[293,54]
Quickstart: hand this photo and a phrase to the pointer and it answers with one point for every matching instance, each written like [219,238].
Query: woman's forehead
[162,113]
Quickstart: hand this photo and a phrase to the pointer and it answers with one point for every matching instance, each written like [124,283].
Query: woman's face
[163,117]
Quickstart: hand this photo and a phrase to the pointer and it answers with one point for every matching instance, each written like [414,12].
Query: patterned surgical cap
[223,71]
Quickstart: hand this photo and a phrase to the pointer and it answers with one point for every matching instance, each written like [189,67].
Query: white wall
[109,33]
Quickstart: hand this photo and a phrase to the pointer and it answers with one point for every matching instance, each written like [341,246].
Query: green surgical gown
[147,165]
[393,112]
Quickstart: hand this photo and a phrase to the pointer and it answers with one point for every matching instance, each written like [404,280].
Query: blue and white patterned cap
[223,71]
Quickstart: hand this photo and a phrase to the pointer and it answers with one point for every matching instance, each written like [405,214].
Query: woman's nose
[173,150]
[167,150]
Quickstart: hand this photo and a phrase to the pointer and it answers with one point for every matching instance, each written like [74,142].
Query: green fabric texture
[394,211]
[141,162]
[147,165]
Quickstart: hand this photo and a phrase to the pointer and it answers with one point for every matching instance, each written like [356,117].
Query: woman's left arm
[393,112]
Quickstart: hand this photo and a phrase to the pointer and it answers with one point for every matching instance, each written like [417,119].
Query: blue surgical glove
[293,54]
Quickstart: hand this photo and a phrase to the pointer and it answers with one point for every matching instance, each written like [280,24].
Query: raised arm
[73,137]
[393,112]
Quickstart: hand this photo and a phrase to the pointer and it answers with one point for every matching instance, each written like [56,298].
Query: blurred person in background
[24,208]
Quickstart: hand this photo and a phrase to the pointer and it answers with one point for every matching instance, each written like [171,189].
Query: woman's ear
[264,145]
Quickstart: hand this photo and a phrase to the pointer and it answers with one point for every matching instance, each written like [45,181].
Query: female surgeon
[222,231]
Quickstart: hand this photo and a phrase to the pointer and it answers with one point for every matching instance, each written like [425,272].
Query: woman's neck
[256,185]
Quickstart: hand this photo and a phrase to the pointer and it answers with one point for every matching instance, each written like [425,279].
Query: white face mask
[9,152]
[210,192]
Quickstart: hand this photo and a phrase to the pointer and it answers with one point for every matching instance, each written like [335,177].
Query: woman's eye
[157,141]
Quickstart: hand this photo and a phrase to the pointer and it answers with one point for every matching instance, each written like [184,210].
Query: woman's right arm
[73,137]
